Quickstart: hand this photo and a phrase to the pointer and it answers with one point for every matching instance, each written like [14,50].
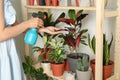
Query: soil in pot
[107,70]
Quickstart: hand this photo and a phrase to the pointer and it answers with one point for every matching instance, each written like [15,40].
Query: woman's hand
[34,23]
[51,30]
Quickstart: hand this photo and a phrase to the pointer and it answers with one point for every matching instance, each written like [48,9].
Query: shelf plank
[111,13]
[113,78]
[60,7]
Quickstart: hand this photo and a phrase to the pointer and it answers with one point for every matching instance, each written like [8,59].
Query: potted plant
[107,63]
[75,36]
[56,55]
[31,71]
[47,19]
[83,71]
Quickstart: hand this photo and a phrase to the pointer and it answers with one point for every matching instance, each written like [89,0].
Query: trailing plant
[106,48]
[83,63]
[29,70]
[58,50]
[76,33]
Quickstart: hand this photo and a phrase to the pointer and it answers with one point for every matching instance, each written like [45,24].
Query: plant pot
[107,70]
[54,2]
[67,67]
[69,76]
[57,69]
[42,2]
[48,2]
[46,66]
[31,2]
[72,60]
[84,75]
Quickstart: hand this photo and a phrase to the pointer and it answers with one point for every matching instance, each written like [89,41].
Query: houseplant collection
[83,69]
[75,36]
[54,46]
[107,63]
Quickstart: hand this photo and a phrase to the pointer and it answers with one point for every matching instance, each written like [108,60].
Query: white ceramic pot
[69,76]
[84,75]
[46,66]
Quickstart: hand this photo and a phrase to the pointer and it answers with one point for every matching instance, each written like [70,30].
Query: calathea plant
[76,33]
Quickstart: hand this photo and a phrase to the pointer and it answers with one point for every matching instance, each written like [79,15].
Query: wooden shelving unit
[100,15]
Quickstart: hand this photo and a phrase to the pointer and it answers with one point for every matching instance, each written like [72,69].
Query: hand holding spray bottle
[32,35]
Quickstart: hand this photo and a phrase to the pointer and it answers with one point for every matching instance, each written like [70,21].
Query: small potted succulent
[56,55]
[75,36]
[107,63]
[83,70]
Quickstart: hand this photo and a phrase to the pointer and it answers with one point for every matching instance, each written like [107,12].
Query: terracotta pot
[107,70]
[38,2]
[77,3]
[31,2]
[67,67]
[57,69]
[54,2]
[48,2]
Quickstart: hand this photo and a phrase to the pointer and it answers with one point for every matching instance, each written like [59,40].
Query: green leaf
[71,14]
[79,12]
[93,44]
[83,31]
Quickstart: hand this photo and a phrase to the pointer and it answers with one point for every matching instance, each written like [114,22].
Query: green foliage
[83,63]
[106,48]
[76,33]
[58,50]
[29,70]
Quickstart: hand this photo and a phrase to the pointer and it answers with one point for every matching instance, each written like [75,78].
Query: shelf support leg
[99,39]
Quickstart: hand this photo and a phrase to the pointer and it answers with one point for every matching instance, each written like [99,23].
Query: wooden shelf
[32,9]
[60,7]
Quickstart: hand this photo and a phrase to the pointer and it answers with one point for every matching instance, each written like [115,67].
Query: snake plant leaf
[110,42]
[72,14]
[93,42]
[89,41]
